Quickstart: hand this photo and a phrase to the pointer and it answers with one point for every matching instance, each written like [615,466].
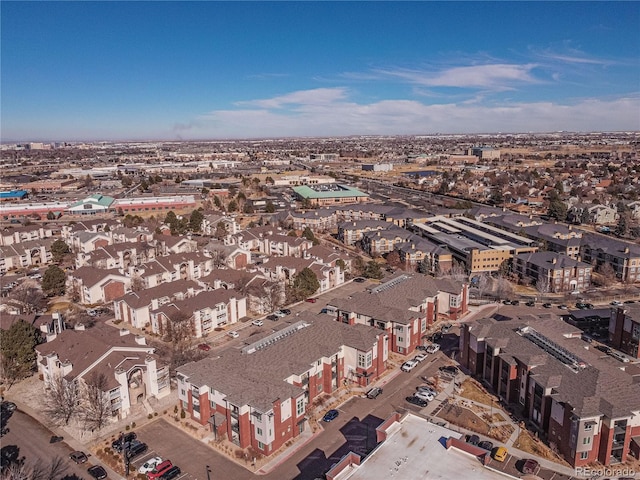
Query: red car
[312,300]
[204,346]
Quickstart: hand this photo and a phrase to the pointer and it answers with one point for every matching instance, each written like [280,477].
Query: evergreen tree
[17,347]
[53,281]
[59,249]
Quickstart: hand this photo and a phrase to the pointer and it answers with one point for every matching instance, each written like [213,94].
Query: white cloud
[317,96]
[335,115]
[497,76]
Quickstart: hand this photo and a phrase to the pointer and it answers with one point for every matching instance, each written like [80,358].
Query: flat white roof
[415,449]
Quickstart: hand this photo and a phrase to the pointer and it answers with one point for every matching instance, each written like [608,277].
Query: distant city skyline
[137,71]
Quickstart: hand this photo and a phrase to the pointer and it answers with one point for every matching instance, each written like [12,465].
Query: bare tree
[137,283]
[28,296]
[272,296]
[483,284]
[219,256]
[40,470]
[503,288]
[96,408]
[543,285]
[61,400]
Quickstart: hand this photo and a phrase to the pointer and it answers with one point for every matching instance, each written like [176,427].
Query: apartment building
[584,405]
[624,329]
[135,307]
[435,258]
[352,232]
[404,307]
[258,395]
[623,256]
[28,233]
[25,254]
[205,312]
[552,272]
[93,285]
[319,220]
[131,369]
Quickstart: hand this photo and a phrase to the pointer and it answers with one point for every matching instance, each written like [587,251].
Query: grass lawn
[59,307]
[476,392]
[464,418]
[528,443]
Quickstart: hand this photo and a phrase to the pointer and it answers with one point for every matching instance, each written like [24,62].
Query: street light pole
[208,472]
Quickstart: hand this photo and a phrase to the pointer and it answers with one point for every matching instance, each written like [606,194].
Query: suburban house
[259,395]
[582,404]
[552,272]
[624,329]
[404,307]
[93,285]
[121,364]
[206,311]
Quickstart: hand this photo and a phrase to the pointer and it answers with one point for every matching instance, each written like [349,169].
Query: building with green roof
[92,205]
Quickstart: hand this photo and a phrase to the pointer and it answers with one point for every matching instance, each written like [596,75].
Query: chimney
[626,249]
[123,332]
[570,227]
[554,261]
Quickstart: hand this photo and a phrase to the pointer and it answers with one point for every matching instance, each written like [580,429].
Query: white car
[433,348]
[426,389]
[149,465]
[257,323]
[233,334]
[425,396]
[408,365]
[420,357]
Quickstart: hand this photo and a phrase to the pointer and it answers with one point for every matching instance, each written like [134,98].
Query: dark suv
[170,474]
[136,448]
[126,438]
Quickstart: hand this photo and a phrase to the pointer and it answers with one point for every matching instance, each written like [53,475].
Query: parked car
[233,334]
[581,305]
[136,448]
[420,357]
[422,348]
[78,457]
[530,466]
[257,323]
[473,439]
[426,389]
[170,474]
[486,444]
[97,472]
[547,305]
[374,392]
[433,348]
[424,395]
[417,401]
[616,303]
[563,307]
[515,302]
[507,302]
[500,454]
[311,300]
[273,318]
[450,369]
[150,465]
[408,365]
[204,347]
[530,303]
[359,280]
[126,438]
[331,415]
[284,311]
[160,469]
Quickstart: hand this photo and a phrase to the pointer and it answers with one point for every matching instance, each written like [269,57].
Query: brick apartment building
[404,307]
[584,404]
[258,395]
[624,329]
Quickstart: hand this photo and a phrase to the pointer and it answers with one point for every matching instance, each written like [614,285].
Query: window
[400,339]
[588,427]
[364,359]
[258,431]
[586,440]
[320,374]
[300,406]
[584,455]
[261,445]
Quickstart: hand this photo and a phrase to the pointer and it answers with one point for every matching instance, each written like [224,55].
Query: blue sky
[214,70]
